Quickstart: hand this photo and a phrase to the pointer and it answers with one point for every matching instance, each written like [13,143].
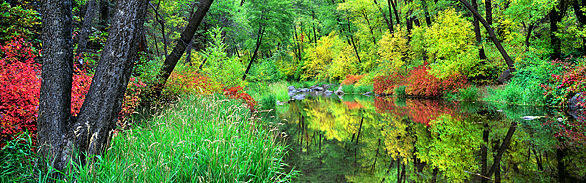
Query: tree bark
[481,53]
[389,23]
[554,18]
[179,49]
[394,5]
[54,118]
[488,7]
[99,112]
[161,21]
[87,25]
[493,37]
[581,16]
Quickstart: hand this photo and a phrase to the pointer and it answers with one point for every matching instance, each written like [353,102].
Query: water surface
[355,138]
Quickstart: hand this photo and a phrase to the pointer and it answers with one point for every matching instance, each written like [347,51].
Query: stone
[339,91]
[299,97]
[505,76]
[291,88]
[319,89]
[367,94]
[304,90]
[328,92]
[573,102]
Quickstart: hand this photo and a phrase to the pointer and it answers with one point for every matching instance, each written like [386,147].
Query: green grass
[17,160]
[201,139]
[363,89]
[517,92]
[348,88]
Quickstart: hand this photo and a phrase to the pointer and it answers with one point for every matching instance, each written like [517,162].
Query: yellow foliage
[394,50]
[319,56]
[450,40]
[344,63]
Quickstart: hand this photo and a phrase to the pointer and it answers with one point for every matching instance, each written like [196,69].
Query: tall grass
[518,92]
[202,139]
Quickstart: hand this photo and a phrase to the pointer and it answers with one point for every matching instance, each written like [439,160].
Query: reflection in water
[358,139]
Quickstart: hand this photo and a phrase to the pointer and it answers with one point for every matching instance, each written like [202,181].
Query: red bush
[20,85]
[386,84]
[565,85]
[421,83]
[131,99]
[238,93]
[352,79]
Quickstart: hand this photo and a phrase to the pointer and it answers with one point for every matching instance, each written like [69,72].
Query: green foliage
[363,89]
[349,89]
[218,66]
[148,70]
[450,41]
[18,160]
[264,71]
[201,139]
[468,94]
[18,21]
[399,91]
[319,57]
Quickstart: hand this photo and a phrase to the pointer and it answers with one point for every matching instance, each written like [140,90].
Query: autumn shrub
[352,79]
[132,99]
[186,80]
[564,86]
[238,93]
[20,85]
[386,84]
[422,83]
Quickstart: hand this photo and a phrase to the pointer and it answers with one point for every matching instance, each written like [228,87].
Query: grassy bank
[201,139]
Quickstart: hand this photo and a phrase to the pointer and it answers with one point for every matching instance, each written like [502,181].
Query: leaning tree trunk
[179,49]
[87,25]
[492,36]
[255,54]
[481,53]
[99,112]
[54,118]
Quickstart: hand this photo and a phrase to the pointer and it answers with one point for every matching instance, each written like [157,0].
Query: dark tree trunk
[397,18]
[261,31]
[179,49]
[352,41]
[529,32]
[99,112]
[554,18]
[488,7]
[581,16]
[89,133]
[87,25]
[501,150]
[561,166]
[389,23]
[54,118]
[493,37]
[481,53]
[188,54]
[427,17]
[104,11]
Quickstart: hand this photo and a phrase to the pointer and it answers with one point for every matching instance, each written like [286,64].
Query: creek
[356,138]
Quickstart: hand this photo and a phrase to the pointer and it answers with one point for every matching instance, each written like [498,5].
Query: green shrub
[468,94]
[268,101]
[363,89]
[400,91]
[348,88]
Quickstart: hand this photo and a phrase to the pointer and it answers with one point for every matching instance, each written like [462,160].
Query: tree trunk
[99,112]
[529,32]
[554,18]
[481,53]
[496,42]
[89,133]
[501,150]
[255,54]
[161,21]
[488,7]
[54,118]
[179,49]
[389,23]
[394,4]
[87,25]
[104,11]
[581,16]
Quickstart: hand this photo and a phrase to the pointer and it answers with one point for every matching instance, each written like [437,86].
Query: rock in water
[339,91]
[367,94]
[291,88]
[299,97]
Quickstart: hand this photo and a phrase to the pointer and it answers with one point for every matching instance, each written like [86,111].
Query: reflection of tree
[451,146]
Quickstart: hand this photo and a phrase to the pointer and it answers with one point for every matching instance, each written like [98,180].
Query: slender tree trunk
[99,112]
[397,18]
[427,17]
[352,41]
[87,25]
[188,54]
[528,37]
[554,18]
[481,53]
[389,23]
[161,21]
[493,37]
[54,118]
[186,36]
[254,55]
[488,10]
[484,153]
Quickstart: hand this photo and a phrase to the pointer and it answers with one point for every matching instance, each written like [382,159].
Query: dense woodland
[74,72]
